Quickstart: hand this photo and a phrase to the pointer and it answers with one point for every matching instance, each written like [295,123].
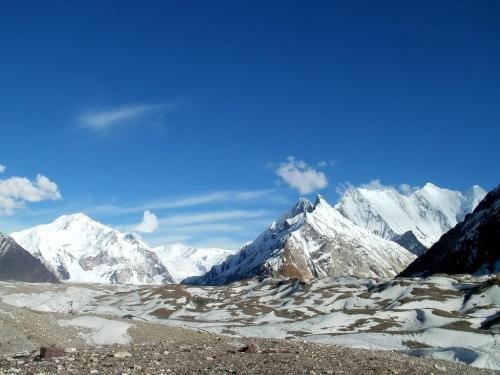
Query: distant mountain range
[473,246]
[78,249]
[311,241]
[185,261]
[371,232]
[416,220]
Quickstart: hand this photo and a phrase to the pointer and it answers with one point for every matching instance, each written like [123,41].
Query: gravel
[162,349]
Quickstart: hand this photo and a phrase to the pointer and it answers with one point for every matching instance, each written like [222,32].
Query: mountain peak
[428,212]
[320,200]
[79,216]
[316,242]
[475,190]
[430,185]
[303,204]
[470,247]
[80,249]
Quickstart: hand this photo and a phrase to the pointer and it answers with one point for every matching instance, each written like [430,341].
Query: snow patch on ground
[434,317]
[100,331]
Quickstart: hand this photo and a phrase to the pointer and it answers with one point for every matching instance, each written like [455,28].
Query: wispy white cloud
[324,163]
[237,225]
[298,175]
[210,217]
[194,200]
[208,228]
[149,223]
[2,168]
[16,191]
[101,120]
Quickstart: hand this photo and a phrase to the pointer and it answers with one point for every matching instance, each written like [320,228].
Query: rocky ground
[188,352]
[163,349]
[181,329]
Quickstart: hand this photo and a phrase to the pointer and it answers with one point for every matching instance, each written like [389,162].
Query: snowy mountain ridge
[79,249]
[311,241]
[428,212]
[185,261]
[470,247]
[307,241]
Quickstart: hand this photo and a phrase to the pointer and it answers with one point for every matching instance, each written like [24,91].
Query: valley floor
[323,327]
[162,349]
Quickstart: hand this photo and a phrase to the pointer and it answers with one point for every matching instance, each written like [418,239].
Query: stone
[122,354]
[440,368]
[250,348]
[47,352]
[269,351]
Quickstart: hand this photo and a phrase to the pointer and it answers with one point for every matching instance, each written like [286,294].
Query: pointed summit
[312,242]
[320,200]
[303,205]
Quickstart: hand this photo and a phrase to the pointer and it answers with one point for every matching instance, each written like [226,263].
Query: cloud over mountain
[149,223]
[299,175]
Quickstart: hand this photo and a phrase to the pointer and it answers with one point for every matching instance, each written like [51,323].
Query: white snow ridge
[311,241]
[185,261]
[81,250]
[428,212]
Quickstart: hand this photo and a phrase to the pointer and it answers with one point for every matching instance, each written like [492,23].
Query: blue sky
[191,109]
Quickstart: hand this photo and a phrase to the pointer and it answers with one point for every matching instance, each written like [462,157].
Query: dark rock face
[409,241]
[17,264]
[473,246]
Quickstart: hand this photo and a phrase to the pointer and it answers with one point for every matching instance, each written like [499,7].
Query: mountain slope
[428,212]
[17,264]
[79,249]
[307,242]
[185,261]
[473,246]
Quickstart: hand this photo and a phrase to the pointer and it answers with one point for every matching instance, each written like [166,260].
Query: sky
[200,122]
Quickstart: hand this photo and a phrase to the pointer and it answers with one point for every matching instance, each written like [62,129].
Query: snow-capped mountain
[307,242]
[184,261]
[473,246]
[17,264]
[79,249]
[428,212]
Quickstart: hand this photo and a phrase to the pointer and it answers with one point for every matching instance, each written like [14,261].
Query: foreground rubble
[190,352]
[453,318]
